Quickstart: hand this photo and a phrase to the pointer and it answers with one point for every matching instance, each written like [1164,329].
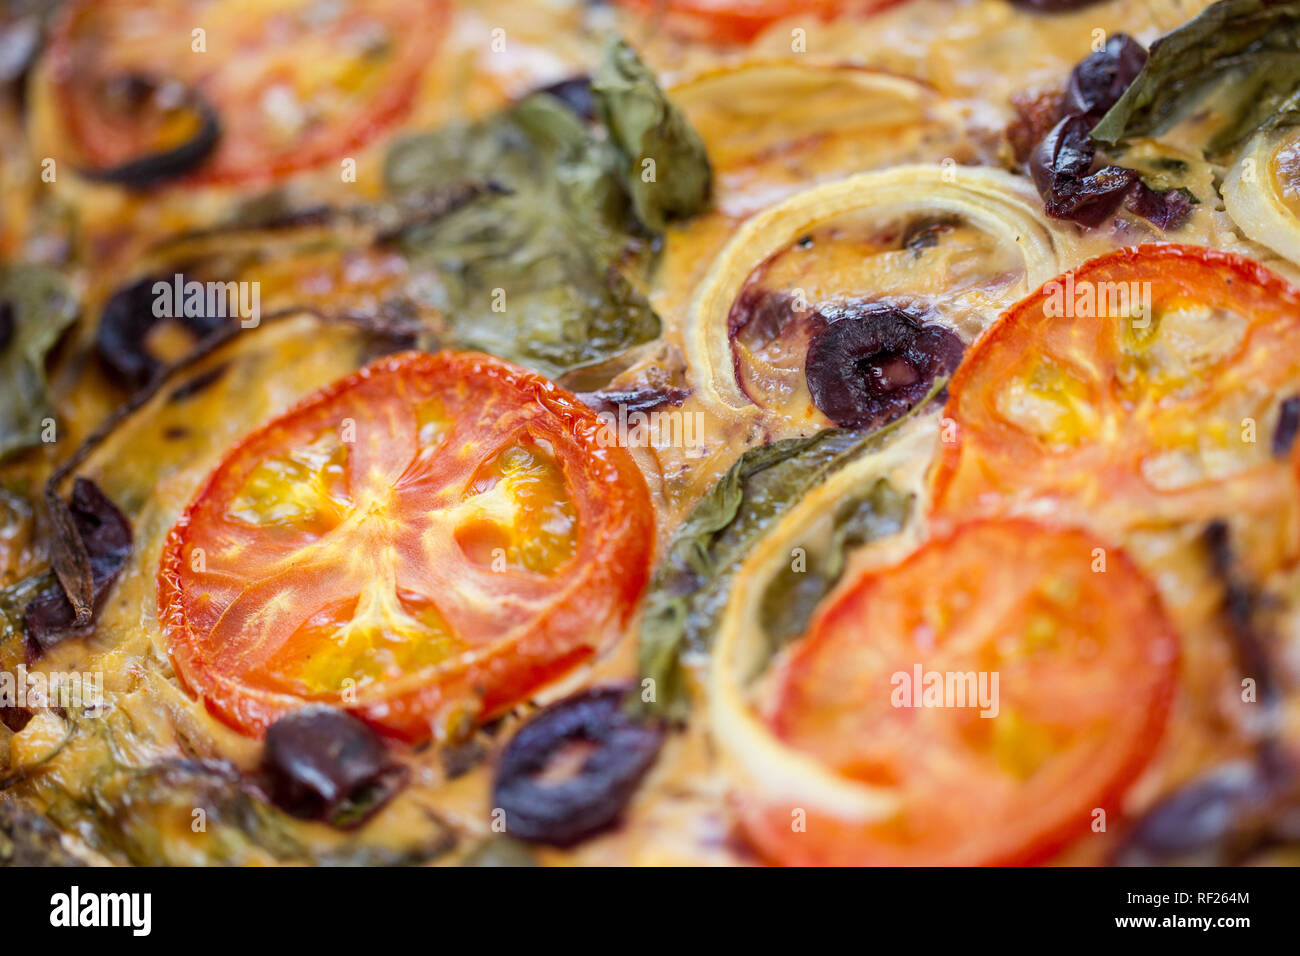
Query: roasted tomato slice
[288,85]
[425,543]
[1148,386]
[1084,662]
[738,21]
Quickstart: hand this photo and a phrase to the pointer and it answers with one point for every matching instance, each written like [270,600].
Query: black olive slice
[322,763]
[1288,424]
[871,363]
[576,93]
[105,534]
[1053,6]
[124,326]
[156,103]
[1218,819]
[1101,78]
[620,749]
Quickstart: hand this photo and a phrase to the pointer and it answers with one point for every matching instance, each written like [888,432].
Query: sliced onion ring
[994,200]
[756,762]
[1250,195]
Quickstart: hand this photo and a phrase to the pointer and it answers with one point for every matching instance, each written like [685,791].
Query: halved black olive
[7,324]
[1053,6]
[124,326]
[1213,820]
[1288,424]
[1059,167]
[1101,78]
[155,102]
[321,763]
[105,533]
[873,362]
[1166,208]
[575,92]
[620,749]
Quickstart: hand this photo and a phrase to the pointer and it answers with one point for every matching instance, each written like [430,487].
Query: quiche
[738,432]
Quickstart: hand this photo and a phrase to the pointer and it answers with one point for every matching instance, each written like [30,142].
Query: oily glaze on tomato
[1072,400]
[1085,664]
[738,21]
[292,84]
[426,542]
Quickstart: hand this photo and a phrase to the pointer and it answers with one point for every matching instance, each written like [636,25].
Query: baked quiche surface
[676,432]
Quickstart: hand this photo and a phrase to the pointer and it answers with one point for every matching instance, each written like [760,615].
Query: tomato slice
[1108,412]
[294,84]
[738,21]
[425,542]
[1085,664]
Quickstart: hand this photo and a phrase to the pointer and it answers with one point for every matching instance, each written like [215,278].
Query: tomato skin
[985,819]
[739,21]
[564,616]
[238,159]
[992,466]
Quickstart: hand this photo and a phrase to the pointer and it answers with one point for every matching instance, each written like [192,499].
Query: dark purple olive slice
[575,92]
[124,326]
[618,751]
[1166,208]
[1053,6]
[1063,157]
[156,104]
[873,362]
[1101,78]
[1288,424]
[1212,820]
[7,325]
[1059,167]
[106,535]
[321,763]
[759,316]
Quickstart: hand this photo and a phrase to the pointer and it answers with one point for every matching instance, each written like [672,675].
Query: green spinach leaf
[695,579]
[791,597]
[36,306]
[545,267]
[665,164]
[1246,53]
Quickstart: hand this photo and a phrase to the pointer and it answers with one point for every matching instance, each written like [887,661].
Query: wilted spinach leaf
[1248,50]
[694,581]
[533,272]
[791,597]
[36,306]
[543,268]
[667,168]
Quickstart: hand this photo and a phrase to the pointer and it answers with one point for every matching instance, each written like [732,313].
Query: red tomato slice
[1085,664]
[294,85]
[1107,417]
[738,21]
[425,542]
